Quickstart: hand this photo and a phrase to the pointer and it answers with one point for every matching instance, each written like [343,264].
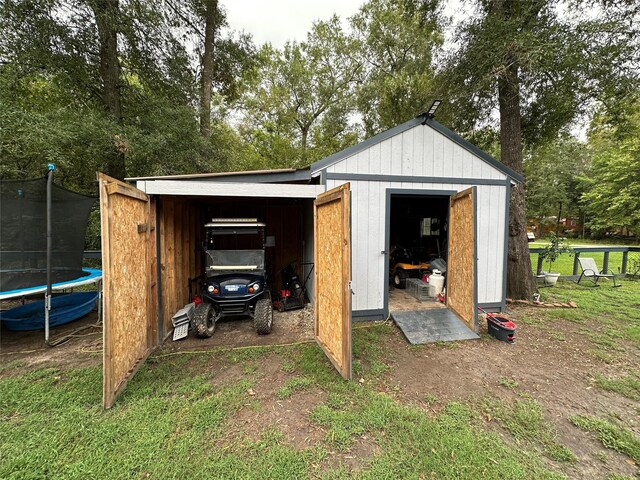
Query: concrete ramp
[432,325]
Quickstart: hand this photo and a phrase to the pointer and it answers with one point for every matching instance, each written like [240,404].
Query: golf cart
[235,281]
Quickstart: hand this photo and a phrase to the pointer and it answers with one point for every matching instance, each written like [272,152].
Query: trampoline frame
[95,276]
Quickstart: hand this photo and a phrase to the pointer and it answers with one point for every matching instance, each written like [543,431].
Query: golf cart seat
[590,271]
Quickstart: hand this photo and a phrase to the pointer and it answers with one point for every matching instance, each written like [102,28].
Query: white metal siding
[419,152]
[368,223]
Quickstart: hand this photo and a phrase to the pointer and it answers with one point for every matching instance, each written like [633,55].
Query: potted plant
[557,245]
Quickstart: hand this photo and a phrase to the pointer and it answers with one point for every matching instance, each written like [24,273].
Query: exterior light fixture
[432,110]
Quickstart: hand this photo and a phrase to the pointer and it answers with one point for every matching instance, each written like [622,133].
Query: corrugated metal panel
[368,221]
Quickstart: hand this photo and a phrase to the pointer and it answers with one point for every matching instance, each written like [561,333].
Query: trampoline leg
[99,301]
[47,308]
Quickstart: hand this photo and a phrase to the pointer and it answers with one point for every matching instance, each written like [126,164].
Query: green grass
[611,435]
[628,386]
[524,420]
[619,476]
[611,315]
[508,382]
[177,417]
[564,263]
[293,385]
[52,425]
[175,420]
[415,446]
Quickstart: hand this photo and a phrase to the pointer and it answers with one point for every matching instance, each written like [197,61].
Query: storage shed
[425,161]
[418,184]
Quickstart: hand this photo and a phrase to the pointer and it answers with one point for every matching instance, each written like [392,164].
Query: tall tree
[540,70]
[398,40]
[298,90]
[612,193]
[107,16]
[206,78]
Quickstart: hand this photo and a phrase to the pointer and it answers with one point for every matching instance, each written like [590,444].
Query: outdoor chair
[590,271]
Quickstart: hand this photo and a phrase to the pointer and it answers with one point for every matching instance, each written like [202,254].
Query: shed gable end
[420,151]
[419,147]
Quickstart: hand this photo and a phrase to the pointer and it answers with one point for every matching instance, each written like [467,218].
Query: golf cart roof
[234,223]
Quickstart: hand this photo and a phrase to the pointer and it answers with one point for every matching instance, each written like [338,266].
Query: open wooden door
[129,314]
[332,255]
[462,288]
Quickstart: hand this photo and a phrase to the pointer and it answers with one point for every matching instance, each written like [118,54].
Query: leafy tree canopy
[299,107]
[398,41]
[612,188]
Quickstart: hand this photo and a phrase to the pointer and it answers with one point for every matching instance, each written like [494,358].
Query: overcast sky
[277,21]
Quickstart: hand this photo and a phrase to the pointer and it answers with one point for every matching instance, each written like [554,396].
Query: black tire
[204,321]
[263,317]
[400,279]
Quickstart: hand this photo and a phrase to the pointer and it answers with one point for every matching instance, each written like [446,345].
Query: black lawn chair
[590,271]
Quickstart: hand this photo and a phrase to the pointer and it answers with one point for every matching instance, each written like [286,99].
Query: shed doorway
[428,231]
[158,242]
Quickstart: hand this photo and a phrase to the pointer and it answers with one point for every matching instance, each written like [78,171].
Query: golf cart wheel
[400,279]
[204,321]
[263,317]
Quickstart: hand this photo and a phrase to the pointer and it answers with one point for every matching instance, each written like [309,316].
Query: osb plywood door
[462,292]
[332,303]
[129,289]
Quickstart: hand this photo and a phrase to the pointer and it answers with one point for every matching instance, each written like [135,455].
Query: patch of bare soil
[556,373]
[266,412]
[21,351]
[288,327]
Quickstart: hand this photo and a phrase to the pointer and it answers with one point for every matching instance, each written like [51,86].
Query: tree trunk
[520,281]
[206,85]
[106,13]
[303,143]
[558,219]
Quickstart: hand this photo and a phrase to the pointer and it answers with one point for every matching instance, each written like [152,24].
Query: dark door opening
[418,227]
[418,238]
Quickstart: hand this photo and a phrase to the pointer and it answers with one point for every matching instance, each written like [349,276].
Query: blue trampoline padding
[93,275]
[64,309]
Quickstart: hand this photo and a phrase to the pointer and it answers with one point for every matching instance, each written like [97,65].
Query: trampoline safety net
[23,233]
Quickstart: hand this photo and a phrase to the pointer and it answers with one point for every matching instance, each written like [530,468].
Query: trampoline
[91,275]
[41,251]
[64,309]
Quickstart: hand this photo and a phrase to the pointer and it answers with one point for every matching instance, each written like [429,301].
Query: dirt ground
[548,362]
[29,350]
[558,374]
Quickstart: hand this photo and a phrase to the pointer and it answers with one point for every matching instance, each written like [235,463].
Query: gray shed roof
[258,176]
[347,152]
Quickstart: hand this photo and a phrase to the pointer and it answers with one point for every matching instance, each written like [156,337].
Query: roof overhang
[204,188]
[257,176]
